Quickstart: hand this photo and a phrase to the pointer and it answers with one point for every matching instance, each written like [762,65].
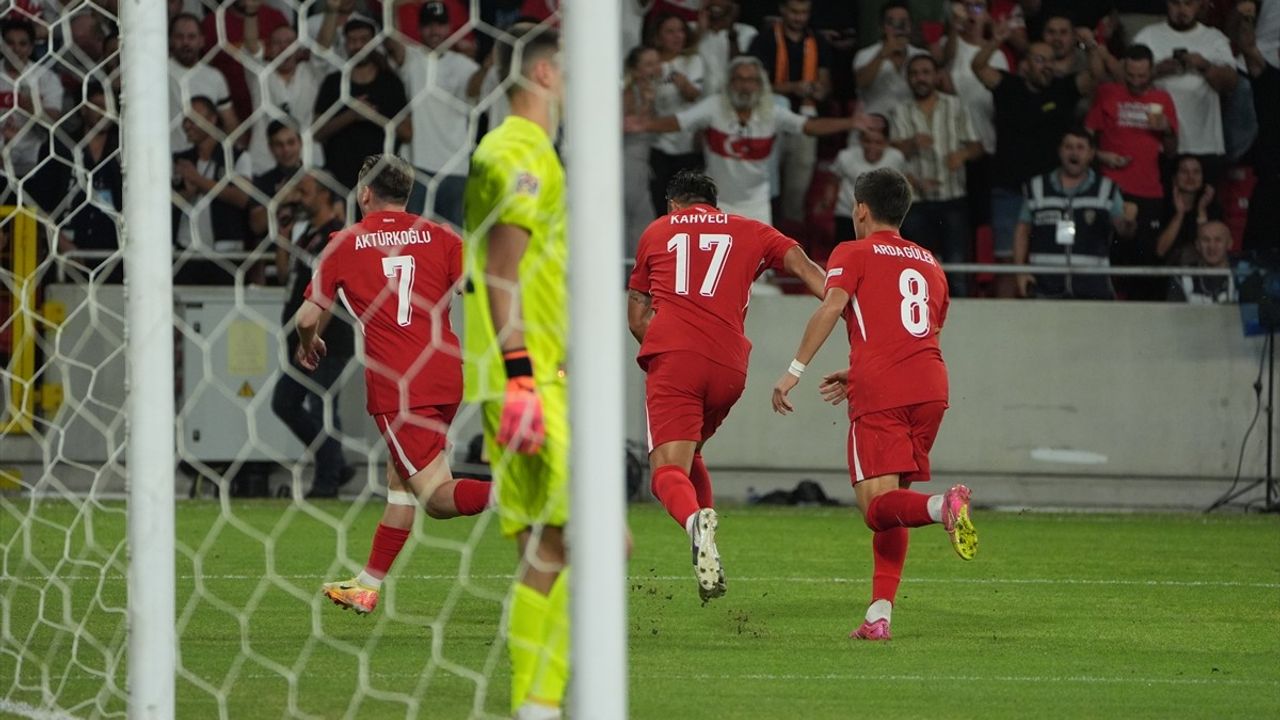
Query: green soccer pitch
[1059,616]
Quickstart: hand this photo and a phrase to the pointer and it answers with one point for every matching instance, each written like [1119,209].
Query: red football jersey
[396,273]
[898,302]
[698,265]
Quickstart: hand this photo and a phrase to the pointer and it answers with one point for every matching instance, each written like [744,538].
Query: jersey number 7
[400,267]
[718,243]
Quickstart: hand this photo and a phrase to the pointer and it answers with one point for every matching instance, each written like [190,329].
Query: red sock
[675,491]
[387,543]
[470,497]
[898,508]
[701,480]
[889,550]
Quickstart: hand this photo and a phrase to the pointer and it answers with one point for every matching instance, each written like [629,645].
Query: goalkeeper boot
[878,630]
[956,521]
[706,557]
[350,594]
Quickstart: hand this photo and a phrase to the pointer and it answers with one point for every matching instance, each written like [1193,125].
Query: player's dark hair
[529,42]
[690,186]
[893,5]
[1080,131]
[1139,52]
[389,177]
[886,193]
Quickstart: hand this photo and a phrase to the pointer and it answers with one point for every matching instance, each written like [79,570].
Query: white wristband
[797,368]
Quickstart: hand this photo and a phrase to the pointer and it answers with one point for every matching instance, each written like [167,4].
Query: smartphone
[1180,54]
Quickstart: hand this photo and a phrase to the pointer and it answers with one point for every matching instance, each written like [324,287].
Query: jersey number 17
[716,243]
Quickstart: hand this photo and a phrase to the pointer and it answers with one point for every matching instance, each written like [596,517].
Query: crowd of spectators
[1074,132]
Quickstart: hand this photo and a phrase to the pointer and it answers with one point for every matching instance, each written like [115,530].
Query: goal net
[262,94]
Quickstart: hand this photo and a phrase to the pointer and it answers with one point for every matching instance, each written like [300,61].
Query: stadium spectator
[30,95]
[1033,109]
[1069,57]
[96,185]
[1195,65]
[742,124]
[299,407]
[191,77]
[935,133]
[871,153]
[1213,243]
[210,219]
[285,94]
[87,32]
[440,112]
[1264,204]
[1191,203]
[238,28]
[966,32]
[359,127]
[1268,32]
[721,38]
[643,69]
[1068,219]
[880,70]
[680,86]
[272,184]
[408,21]
[800,63]
[325,28]
[1135,124]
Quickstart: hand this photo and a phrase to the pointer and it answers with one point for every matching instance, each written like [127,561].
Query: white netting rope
[63,559]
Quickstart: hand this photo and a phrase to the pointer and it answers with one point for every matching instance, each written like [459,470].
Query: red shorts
[894,442]
[416,436]
[686,396]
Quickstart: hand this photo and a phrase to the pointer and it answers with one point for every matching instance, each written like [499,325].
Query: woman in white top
[679,87]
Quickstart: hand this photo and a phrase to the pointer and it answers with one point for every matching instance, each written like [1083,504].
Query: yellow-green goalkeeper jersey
[516,179]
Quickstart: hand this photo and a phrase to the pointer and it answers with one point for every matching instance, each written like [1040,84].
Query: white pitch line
[1045,679]
[788,580]
[32,712]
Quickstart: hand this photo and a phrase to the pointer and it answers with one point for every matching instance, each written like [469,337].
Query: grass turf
[1060,615]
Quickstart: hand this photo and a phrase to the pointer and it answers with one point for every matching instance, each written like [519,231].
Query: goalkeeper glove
[521,428]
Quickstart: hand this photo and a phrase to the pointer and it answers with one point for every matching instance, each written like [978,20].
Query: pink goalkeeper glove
[521,428]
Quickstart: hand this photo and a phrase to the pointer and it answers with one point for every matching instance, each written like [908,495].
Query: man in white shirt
[287,93]
[871,153]
[1195,65]
[722,38]
[880,69]
[440,107]
[330,24]
[1268,32]
[742,124]
[190,76]
[968,24]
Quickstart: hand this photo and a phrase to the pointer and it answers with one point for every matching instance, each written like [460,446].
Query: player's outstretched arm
[797,263]
[639,313]
[311,320]
[816,332]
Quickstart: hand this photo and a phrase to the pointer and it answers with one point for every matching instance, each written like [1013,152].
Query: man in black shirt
[358,129]
[1032,112]
[273,185]
[302,410]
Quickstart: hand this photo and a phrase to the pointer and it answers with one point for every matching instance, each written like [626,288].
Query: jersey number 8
[915,302]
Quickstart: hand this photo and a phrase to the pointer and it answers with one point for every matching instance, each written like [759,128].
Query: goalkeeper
[515,333]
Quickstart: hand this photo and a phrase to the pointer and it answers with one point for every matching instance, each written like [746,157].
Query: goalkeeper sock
[701,480]
[470,497]
[898,508]
[526,629]
[889,552]
[553,669]
[387,543]
[675,491]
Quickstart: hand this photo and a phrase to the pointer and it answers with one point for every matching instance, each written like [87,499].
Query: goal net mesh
[255,636]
